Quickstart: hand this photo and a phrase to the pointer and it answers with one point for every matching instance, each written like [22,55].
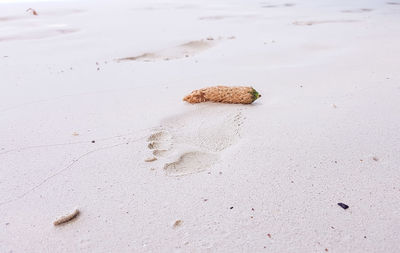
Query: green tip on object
[255,94]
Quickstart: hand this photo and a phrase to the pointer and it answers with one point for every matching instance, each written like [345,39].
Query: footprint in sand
[40,34]
[192,142]
[306,23]
[220,17]
[32,26]
[184,50]
[357,10]
[278,5]
[28,15]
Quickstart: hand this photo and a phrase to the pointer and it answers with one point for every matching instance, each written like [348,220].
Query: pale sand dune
[150,173]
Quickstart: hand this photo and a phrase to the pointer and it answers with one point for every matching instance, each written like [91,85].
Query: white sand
[264,177]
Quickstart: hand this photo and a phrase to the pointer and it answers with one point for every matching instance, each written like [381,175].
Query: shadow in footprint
[189,163]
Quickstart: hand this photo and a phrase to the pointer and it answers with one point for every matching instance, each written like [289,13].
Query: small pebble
[342,205]
[177,223]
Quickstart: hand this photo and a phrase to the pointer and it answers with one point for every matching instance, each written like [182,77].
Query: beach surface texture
[92,118]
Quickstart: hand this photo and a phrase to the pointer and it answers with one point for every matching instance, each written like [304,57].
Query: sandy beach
[92,119]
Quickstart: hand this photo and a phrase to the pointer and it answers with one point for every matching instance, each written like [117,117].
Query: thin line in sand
[69,166]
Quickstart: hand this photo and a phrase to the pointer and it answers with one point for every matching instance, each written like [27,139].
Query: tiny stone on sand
[177,223]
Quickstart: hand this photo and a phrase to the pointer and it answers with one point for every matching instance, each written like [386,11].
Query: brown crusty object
[223,94]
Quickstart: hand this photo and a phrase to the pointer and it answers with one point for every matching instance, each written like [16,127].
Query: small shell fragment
[150,159]
[66,218]
[33,11]
[177,223]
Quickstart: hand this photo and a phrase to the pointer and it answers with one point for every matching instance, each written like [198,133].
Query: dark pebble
[344,206]
[231,207]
